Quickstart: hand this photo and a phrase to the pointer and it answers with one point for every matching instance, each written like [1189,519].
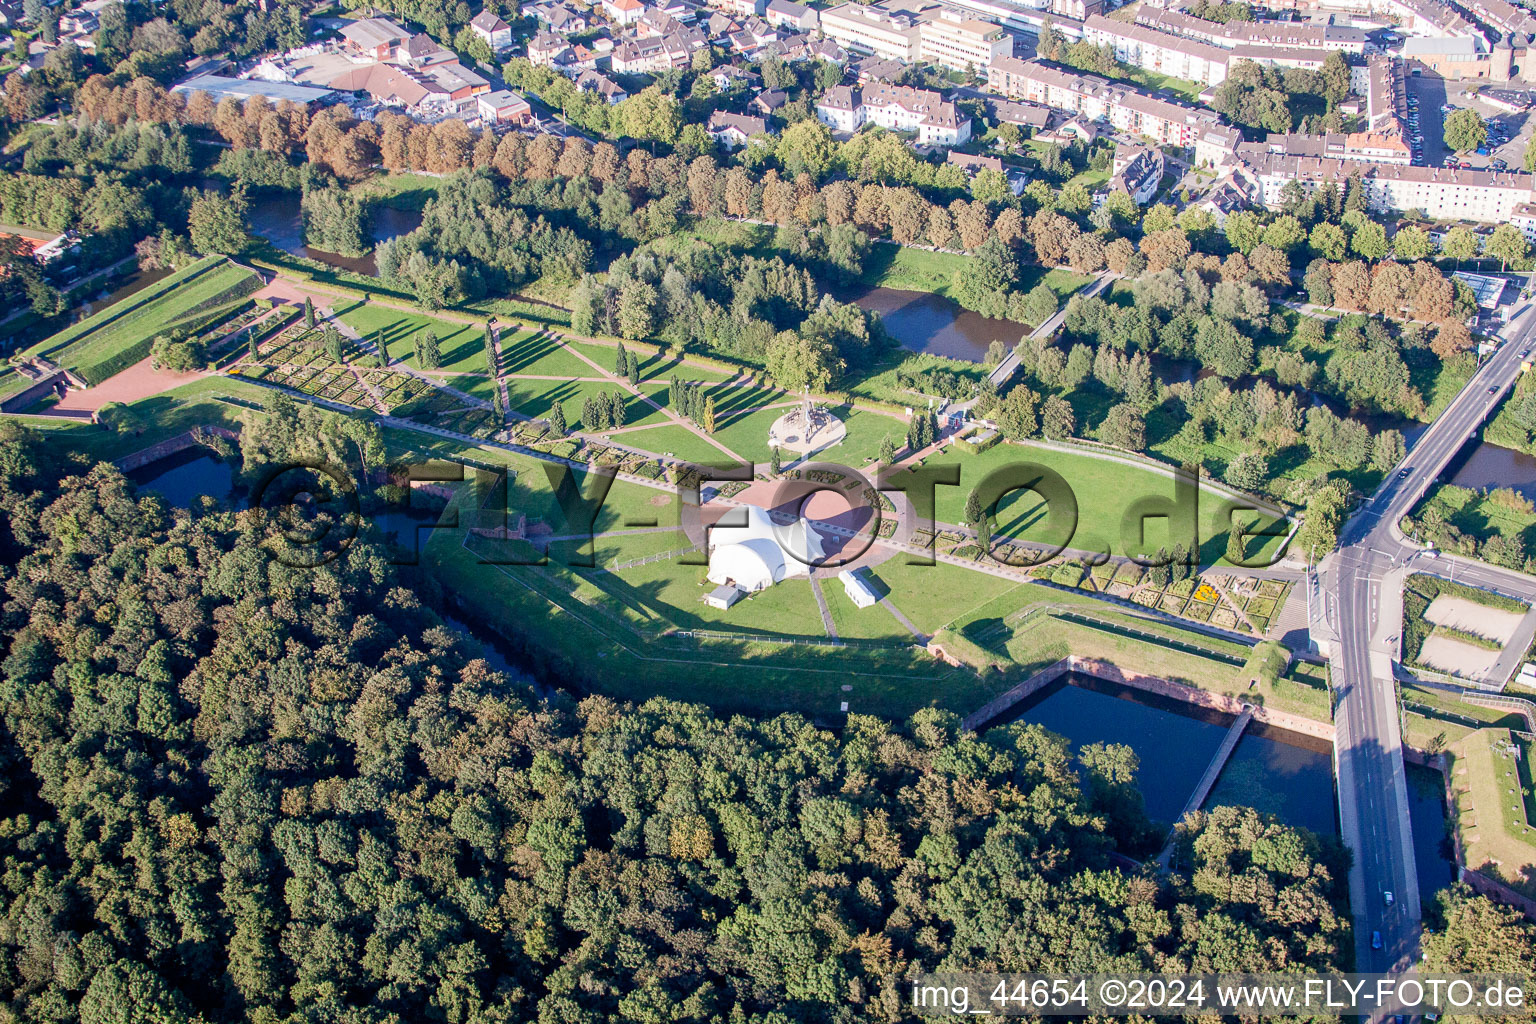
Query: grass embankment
[1496,804]
[112,339]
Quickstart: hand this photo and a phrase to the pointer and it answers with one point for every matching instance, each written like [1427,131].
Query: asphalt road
[1365,584]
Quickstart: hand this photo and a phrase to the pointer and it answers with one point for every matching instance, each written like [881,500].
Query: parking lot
[1432,91]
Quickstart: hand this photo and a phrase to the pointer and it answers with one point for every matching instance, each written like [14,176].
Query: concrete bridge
[1208,780]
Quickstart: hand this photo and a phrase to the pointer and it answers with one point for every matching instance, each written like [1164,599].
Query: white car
[1388,897]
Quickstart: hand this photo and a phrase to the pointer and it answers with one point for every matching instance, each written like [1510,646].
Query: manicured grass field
[525,352]
[535,399]
[1495,834]
[680,441]
[1104,490]
[462,345]
[112,339]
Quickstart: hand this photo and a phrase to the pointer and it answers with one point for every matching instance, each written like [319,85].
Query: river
[277,218]
[1481,466]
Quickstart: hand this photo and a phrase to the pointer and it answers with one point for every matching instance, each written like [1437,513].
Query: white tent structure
[760,554]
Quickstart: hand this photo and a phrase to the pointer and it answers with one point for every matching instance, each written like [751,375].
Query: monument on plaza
[806,428]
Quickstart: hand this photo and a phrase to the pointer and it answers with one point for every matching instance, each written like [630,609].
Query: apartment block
[936,121]
[1441,193]
[1096,98]
[864,29]
[950,39]
[1356,147]
[1165,54]
[1289,34]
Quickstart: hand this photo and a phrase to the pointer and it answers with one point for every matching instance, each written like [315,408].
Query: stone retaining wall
[170,446]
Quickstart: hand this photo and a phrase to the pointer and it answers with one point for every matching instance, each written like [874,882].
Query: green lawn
[541,355]
[908,268]
[535,399]
[462,345]
[112,339]
[1474,514]
[1153,81]
[681,442]
[659,366]
[1104,490]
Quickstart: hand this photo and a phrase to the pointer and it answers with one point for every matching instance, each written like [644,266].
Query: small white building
[761,553]
[858,589]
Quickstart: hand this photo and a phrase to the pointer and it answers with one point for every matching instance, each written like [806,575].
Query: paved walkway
[821,603]
[896,613]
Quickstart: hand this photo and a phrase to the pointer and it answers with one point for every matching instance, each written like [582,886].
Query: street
[1364,579]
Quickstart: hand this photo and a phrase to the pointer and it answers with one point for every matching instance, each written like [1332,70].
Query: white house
[936,121]
[623,12]
[734,130]
[496,33]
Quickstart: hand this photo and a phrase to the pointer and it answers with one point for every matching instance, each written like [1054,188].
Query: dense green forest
[241,791]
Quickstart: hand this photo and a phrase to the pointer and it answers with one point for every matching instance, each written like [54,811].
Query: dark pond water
[277,218]
[137,281]
[925,322]
[1271,770]
[1432,852]
[1489,465]
[186,476]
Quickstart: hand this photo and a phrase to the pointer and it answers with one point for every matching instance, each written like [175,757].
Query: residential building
[792,15]
[1025,115]
[422,51]
[623,12]
[602,85]
[503,107]
[727,77]
[1142,47]
[496,33]
[1297,35]
[654,53]
[734,130]
[1016,177]
[1509,22]
[829,51]
[1127,108]
[769,100]
[550,50]
[878,69]
[948,38]
[1357,147]
[1216,145]
[872,30]
[378,38]
[936,121]
[1138,172]
[1524,218]
[1221,201]
[1440,193]
[720,26]
[1386,94]
[559,18]
[741,8]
